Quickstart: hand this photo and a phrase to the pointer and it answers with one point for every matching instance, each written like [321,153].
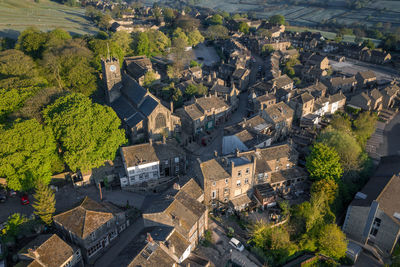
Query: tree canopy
[32,42]
[27,154]
[244,27]
[324,163]
[277,20]
[70,67]
[332,241]
[216,32]
[45,203]
[88,133]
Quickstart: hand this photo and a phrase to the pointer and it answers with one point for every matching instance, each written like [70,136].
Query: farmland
[312,15]
[16,15]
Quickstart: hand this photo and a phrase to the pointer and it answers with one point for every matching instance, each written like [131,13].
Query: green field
[16,15]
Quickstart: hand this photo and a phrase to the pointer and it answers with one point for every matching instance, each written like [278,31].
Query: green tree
[104,22]
[216,19]
[180,35]
[332,242]
[57,37]
[27,152]
[277,20]
[45,203]
[88,133]
[124,40]
[149,78]
[195,37]
[142,44]
[244,27]
[346,147]
[191,90]
[324,163]
[158,42]
[169,14]
[216,32]
[364,126]
[13,226]
[368,43]
[32,42]
[267,49]
[70,67]
[100,49]
[341,122]
[194,63]
[327,186]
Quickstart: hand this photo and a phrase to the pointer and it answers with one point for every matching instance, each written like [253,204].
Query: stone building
[366,79]
[137,67]
[49,250]
[302,104]
[280,115]
[142,114]
[151,165]
[92,226]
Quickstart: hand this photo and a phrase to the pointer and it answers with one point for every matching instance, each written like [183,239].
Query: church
[143,115]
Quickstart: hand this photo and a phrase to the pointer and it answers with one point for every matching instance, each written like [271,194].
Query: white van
[236,244]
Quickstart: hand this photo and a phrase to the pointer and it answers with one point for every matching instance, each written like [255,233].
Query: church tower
[112,78]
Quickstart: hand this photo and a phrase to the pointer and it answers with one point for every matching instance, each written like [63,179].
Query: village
[196,174]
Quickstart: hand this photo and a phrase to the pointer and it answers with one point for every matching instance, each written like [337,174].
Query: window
[226,190]
[226,199]
[375,226]
[277,168]
[155,167]
[213,194]
[177,160]
[288,165]
[93,235]
[166,162]
[246,181]
[239,173]
[247,170]
[226,181]
[214,183]
[155,174]
[108,224]
[94,249]
[238,182]
[160,121]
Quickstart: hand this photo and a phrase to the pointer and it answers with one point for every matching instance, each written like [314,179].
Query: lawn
[16,15]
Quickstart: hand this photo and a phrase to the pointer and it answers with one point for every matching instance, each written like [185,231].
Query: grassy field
[16,15]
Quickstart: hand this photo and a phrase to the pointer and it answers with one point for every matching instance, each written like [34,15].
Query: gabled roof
[368,74]
[146,153]
[148,105]
[282,81]
[84,219]
[51,251]
[133,91]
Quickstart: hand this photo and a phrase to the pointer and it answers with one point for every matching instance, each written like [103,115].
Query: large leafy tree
[324,163]
[216,32]
[195,37]
[364,126]
[88,133]
[101,48]
[142,44]
[27,153]
[32,42]
[19,79]
[277,20]
[332,241]
[346,147]
[45,203]
[70,67]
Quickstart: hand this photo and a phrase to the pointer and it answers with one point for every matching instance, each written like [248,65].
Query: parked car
[3,198]
[236,244]
[12,193]
[24,199]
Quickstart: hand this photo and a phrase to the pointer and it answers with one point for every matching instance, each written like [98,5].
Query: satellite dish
[113,68]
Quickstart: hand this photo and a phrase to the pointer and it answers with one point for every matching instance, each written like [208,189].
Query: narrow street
[123,240]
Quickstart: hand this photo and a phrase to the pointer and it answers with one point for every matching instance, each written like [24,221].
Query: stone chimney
[151,141]
[149,238]
[215,153]
[164,139]
[237,151]
[171,106]
[172,247]
[177,186]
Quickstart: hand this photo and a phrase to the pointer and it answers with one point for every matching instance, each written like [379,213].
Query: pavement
[391,138]
[221,251]
[121,242]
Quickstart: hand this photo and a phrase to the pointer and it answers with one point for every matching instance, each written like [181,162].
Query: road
[391,138]
[123,240]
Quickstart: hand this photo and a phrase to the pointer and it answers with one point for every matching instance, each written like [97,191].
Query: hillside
[16,15]
[311,13]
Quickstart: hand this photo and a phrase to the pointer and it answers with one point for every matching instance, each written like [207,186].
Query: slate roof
[145,153]
[51,251]
[375,94]
[193,111]
[238,74]
[212,101]
[84,219]
[133,91]
[285,175]
[368,74]
[213,171]
[338,81]
[123,108]
[337,97]
[282,81]
[192,189]
[148,105]
[279,111]
[220,89]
